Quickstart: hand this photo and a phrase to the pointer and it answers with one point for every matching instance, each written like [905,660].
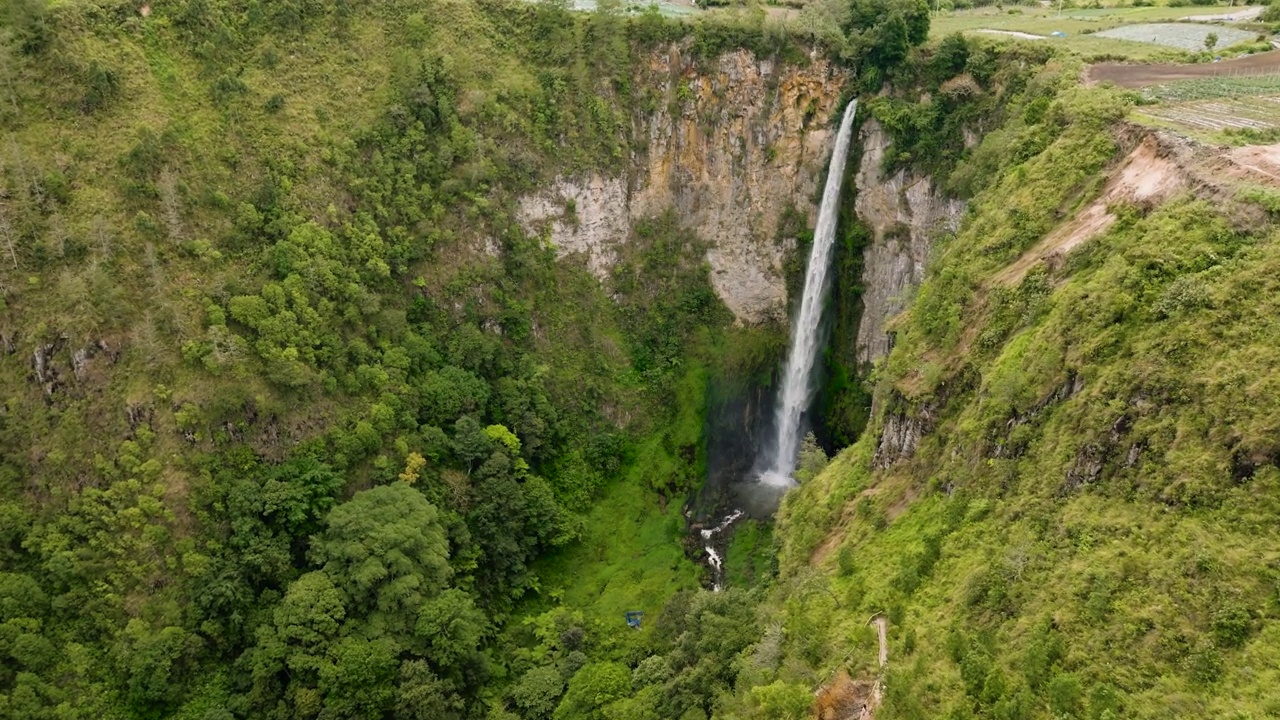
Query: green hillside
[299,419]
[1064,505]
[280,437]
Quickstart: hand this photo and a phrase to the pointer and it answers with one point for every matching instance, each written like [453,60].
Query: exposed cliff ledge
[729,150]
[905,212]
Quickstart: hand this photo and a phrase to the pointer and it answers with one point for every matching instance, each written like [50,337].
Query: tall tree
[292,650]
[451,626]
[387,552]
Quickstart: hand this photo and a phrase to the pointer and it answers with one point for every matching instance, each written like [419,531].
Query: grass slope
[1085,528]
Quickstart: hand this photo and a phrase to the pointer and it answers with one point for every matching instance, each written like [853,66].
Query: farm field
[1225,114]
[1243,15]
[1182,36]
[1043,20]
[1082,27]
[1213,87]
[1139,76]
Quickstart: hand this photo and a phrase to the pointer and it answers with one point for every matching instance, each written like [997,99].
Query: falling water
[796,389]
[797,386]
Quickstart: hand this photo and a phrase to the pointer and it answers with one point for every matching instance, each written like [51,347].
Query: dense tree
[538,692]
[592,689]
[470,443]
[263,513]
[357,678]
[21,596]
[447,394]
[305,620]
[291,650]
[154,665]
[781,700]
[421,695]
[451,626]
[882,32]
[386,552]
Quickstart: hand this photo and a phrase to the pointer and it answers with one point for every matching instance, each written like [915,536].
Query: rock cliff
[729,148]
[905,212]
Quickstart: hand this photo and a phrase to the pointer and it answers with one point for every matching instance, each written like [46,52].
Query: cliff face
[905,212]
[729,150]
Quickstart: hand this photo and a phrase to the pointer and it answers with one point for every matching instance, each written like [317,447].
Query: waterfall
[757,499]
[797,375]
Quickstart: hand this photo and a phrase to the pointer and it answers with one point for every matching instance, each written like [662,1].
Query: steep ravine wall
[905,212]
[729,149]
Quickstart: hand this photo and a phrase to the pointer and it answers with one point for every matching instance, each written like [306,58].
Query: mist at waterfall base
[758,477]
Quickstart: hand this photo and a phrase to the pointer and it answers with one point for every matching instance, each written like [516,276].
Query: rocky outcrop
[48,362]
[1000,443]
[47,374]
[729,149]
[904,427]
[905,212]
[586,216]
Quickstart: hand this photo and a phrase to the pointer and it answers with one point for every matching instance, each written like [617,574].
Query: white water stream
[713,557]
[797,384]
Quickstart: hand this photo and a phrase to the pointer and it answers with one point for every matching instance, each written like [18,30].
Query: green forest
[299,420]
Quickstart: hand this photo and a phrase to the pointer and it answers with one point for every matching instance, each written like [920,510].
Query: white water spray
[707,533]
[713,557]
[797,384]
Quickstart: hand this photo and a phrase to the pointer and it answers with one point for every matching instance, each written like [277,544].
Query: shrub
[102,84]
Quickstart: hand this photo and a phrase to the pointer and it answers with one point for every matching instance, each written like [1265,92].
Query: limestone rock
[904,427]
[587,215]
[905,212]
[729,150]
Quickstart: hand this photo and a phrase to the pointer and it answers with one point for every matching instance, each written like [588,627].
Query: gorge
[420,360]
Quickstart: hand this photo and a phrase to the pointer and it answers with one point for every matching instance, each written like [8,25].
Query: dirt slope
[1159,167]
[1146,177]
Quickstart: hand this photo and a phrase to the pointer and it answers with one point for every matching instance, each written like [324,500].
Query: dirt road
[1145,178]
[1014,33]
[1137,76]
[877,690]
[882,632]
[1249,13]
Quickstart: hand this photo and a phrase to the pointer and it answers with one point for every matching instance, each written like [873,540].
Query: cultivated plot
[1183,36]
[1210,88]
[1250,113]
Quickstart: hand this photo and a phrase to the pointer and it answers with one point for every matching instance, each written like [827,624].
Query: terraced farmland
[1247,113]
[1183,36]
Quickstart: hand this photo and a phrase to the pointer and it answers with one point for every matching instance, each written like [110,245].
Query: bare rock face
[587,216]
[729,150]
[47,374]
[49,367]
[905,212]
[904,428]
